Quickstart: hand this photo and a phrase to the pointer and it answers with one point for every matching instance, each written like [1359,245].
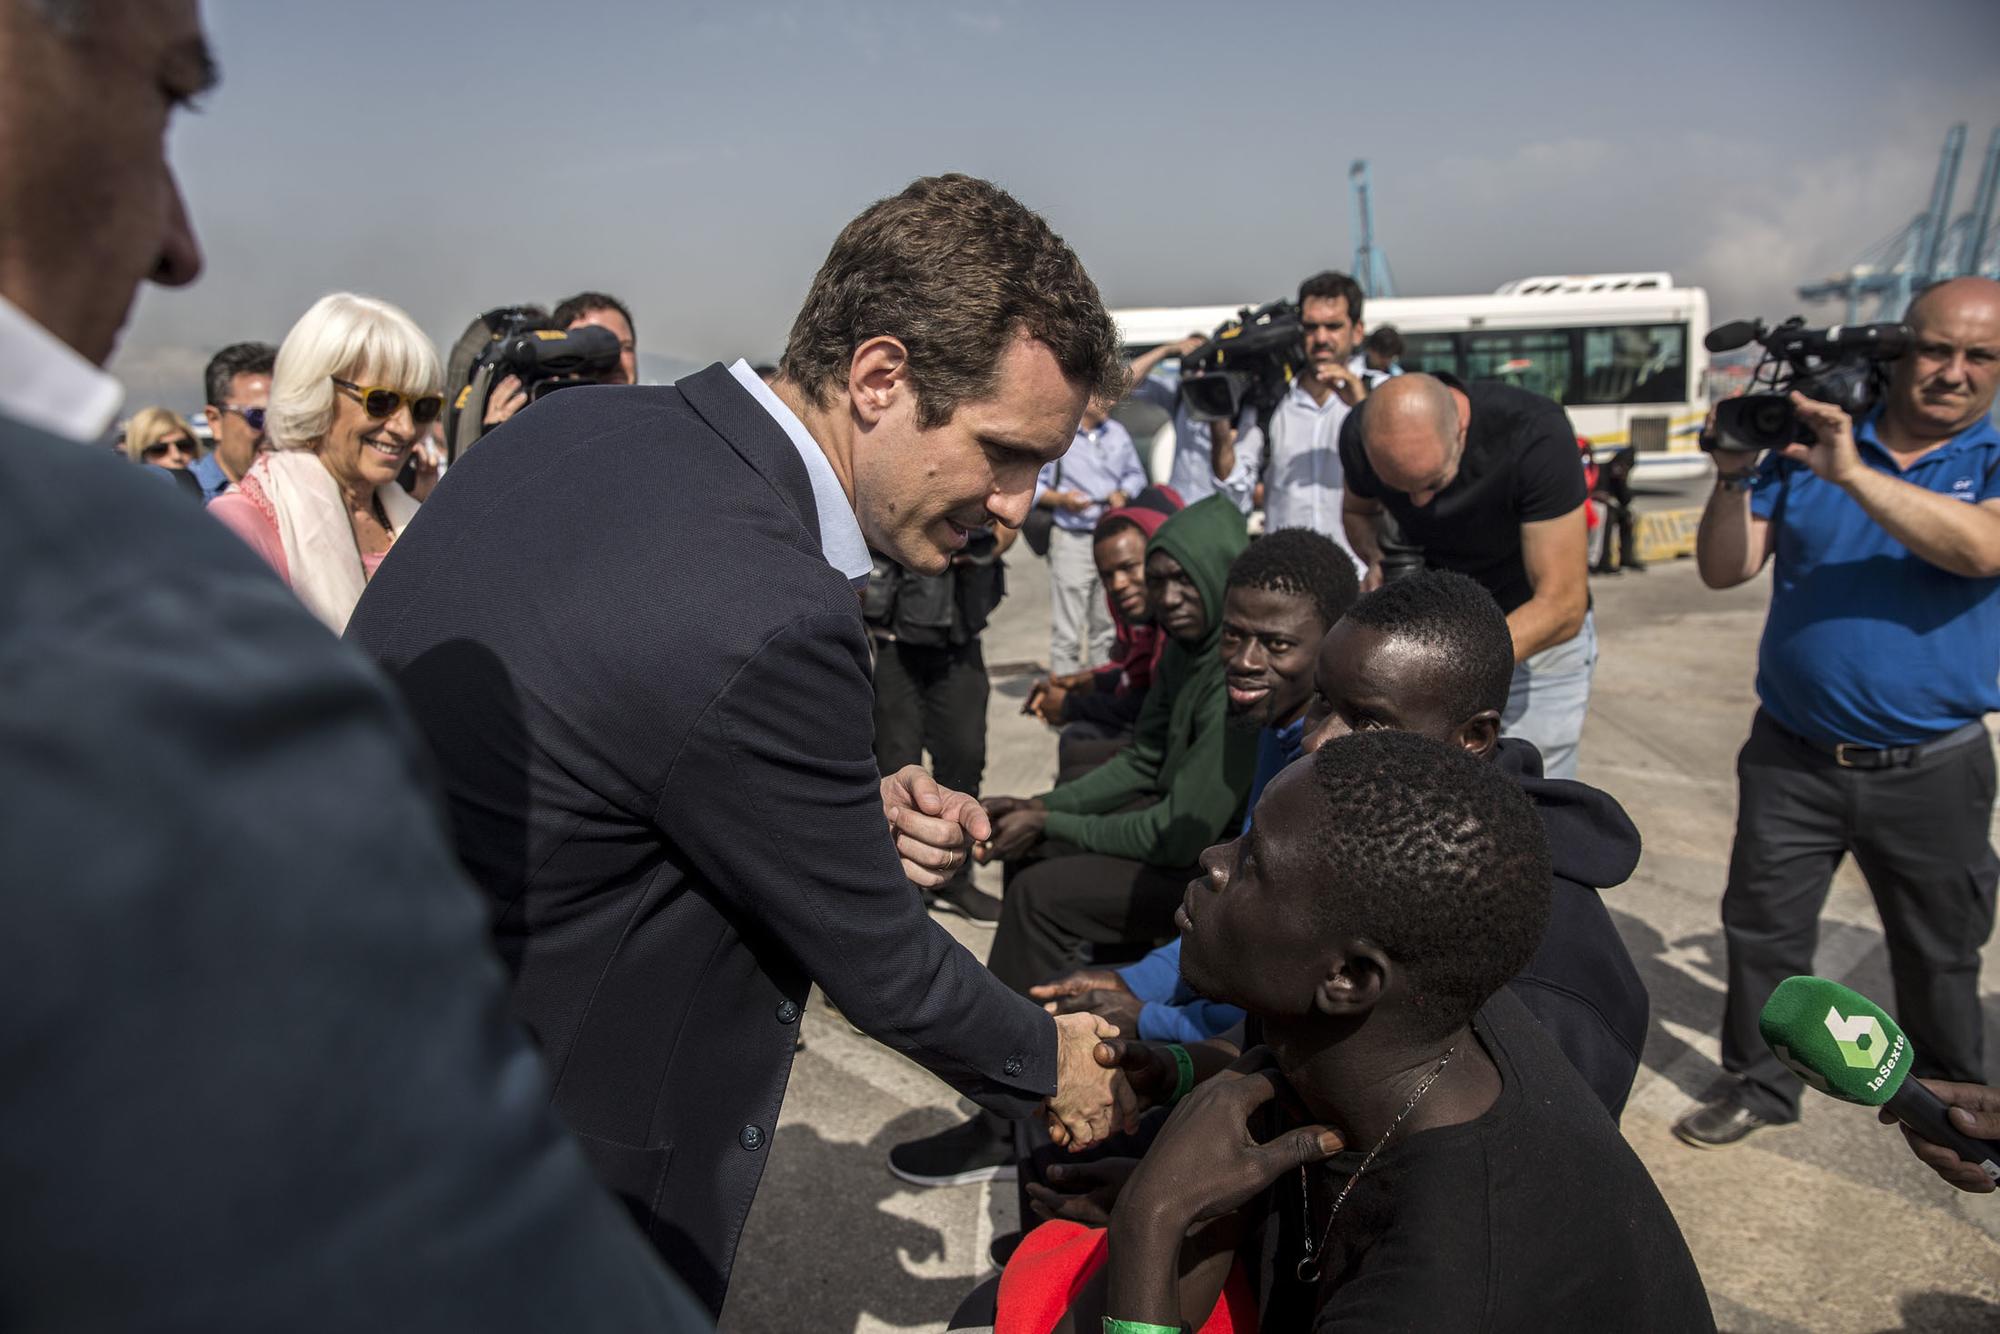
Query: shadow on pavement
[1685,1000]
[849,1253]
[1946,1311]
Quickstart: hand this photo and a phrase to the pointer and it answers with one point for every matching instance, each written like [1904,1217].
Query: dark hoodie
[1184,759]
[1582,984]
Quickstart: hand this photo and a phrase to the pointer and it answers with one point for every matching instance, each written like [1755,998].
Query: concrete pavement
[1829,1225]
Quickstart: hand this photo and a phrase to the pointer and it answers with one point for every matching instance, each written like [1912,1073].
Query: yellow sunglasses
[380,403]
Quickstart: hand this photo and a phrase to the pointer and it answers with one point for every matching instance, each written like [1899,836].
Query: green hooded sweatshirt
[1183,751]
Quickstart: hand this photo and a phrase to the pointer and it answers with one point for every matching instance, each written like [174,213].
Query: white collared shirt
[840,539]
[47,384]
[1304,484]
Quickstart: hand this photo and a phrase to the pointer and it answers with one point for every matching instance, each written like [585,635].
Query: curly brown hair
[955,269]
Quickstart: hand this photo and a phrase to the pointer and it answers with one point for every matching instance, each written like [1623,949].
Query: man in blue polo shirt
[1880,658]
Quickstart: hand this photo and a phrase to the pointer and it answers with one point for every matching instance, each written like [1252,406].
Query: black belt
[1850,756]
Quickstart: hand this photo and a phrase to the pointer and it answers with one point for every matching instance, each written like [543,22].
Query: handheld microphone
[1846,1046]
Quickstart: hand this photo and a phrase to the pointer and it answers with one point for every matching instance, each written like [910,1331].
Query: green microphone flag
[1845,1045]
[1837,1040]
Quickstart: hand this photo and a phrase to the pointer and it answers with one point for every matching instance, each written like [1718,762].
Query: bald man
[1487,480]
[1879,662]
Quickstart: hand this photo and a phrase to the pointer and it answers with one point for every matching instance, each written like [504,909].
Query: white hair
[356,338]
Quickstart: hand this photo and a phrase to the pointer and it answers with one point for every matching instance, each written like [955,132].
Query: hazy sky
[697,159]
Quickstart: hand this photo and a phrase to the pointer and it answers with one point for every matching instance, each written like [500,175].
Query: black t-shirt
[1535,1216]
[1521,465]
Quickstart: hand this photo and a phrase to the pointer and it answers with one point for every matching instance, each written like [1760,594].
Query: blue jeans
[1550,695]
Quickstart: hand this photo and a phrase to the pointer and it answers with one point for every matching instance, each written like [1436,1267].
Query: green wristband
[1139,1327]
[1185,1064]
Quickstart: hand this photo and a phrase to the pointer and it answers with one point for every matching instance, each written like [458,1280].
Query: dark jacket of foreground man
[258,1074]
[649,695]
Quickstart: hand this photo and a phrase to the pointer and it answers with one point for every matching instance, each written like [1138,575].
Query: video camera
[521,341]
[1846,365]
[1251,359]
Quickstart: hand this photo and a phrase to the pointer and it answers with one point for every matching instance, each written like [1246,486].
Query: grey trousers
[1080,630]
[1920,835]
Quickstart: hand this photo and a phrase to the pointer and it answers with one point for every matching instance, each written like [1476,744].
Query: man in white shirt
[1301,473]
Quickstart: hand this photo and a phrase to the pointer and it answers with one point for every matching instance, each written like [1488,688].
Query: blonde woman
[159,436]
[355,387]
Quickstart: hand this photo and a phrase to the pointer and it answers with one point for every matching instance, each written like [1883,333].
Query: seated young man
[1283,595]
[1431,654]
[1098,709]
[1103,860]
[1409,1150]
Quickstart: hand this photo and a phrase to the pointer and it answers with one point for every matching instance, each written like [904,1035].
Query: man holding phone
[1100,472]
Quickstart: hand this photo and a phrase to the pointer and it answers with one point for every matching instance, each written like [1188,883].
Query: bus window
[1430,353]
[1634,363]
[1532,359]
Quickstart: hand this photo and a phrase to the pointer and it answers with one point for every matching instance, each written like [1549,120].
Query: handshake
[1104,1078]
[1125,1077]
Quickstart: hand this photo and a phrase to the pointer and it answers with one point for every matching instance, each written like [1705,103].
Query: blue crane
[1371,267]
[1932,246]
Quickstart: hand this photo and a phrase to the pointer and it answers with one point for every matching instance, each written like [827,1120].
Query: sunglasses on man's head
[252,417]
[380,403]
[158,449]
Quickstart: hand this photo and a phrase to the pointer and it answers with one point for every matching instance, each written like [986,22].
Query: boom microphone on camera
[1847,1047]
[1737,333]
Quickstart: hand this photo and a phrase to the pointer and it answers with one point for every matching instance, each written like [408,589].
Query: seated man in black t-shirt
[1410,1151]
[1486,480]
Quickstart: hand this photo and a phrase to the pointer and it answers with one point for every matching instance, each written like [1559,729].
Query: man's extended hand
[1014,835]
[1975,1111]
[1835,458]
[934,826]
[1090,1103]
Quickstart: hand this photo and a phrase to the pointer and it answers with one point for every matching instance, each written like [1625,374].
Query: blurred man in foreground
[257,1074]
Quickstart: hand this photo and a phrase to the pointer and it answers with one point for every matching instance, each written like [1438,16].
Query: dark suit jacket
[649,696]
[256,1070]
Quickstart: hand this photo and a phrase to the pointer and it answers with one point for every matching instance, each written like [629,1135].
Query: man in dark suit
[629,624]
[257,1074]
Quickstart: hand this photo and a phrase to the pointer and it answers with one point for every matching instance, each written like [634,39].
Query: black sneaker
[1720,1123]
[1001,1249]
[966,1153]
[961,897]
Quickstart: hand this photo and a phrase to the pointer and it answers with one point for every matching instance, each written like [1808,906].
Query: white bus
[1621,352]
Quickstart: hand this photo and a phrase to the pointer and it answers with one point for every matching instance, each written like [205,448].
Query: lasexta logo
[1860,1039]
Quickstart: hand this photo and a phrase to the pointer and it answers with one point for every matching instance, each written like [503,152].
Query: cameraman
[1878,663]
[509,396]
[1205,458]
[1304,482]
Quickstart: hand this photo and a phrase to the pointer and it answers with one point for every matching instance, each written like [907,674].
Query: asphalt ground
[1828,1225]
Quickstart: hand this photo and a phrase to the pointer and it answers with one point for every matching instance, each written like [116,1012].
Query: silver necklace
[1308,1269]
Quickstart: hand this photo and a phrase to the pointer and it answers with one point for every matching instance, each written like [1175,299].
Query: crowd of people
[465,995]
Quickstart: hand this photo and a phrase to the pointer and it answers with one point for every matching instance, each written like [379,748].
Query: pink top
[244,511]
[257,527]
